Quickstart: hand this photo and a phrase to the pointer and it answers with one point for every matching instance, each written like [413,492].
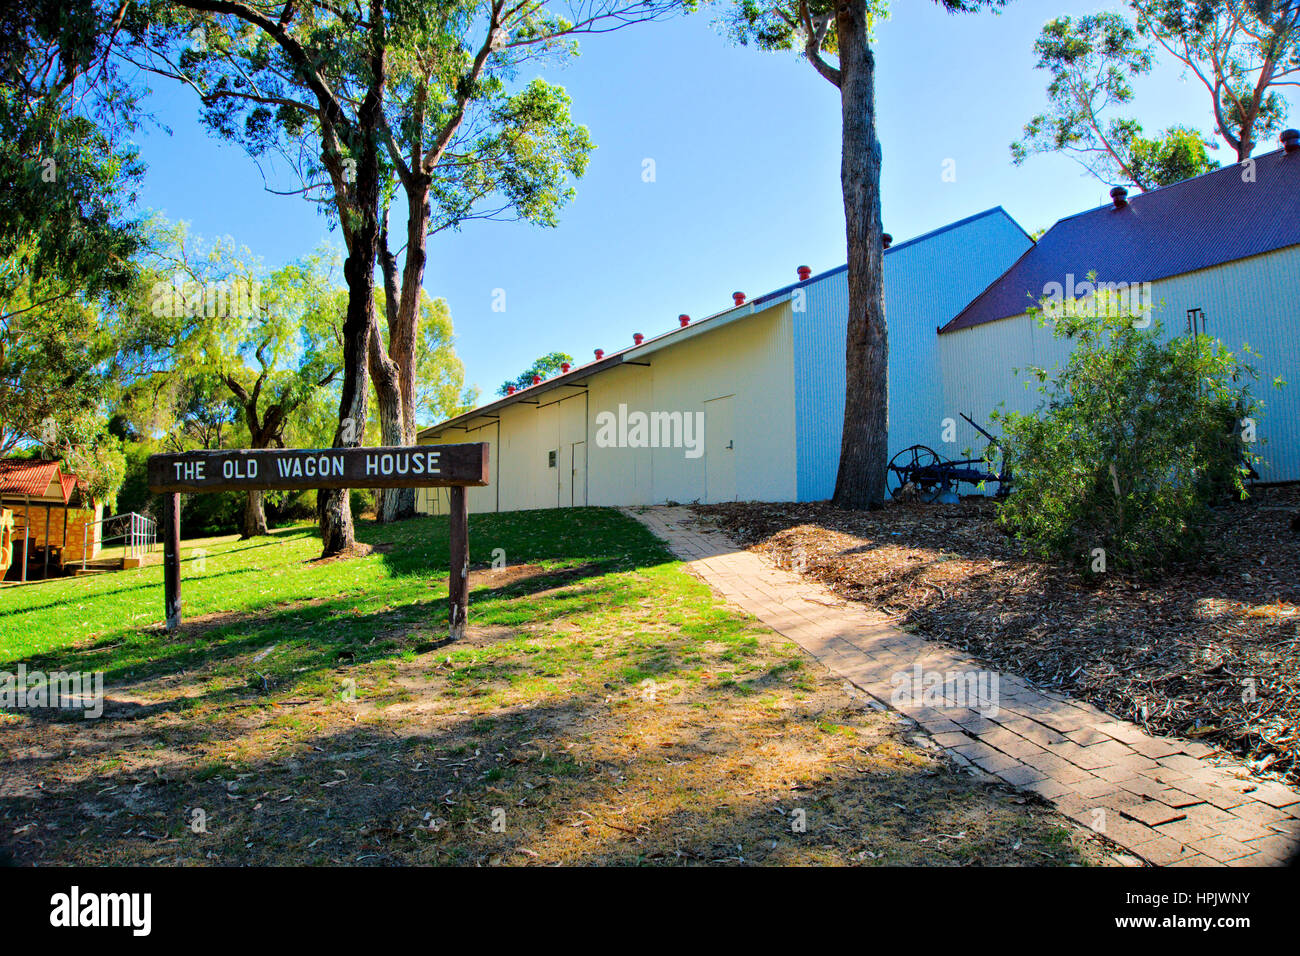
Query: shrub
[363,501]
[1135,440]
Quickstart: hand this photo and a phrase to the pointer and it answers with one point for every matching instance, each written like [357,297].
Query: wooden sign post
[295,469]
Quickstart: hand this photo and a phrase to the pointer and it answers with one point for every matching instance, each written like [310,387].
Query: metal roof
[1217,217]
[70,483]
[32,477]
[577,376]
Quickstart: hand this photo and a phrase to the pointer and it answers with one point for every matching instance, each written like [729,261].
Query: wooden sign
[265,469]
[294,469]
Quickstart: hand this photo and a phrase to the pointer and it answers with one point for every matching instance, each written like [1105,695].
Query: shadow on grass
[290,776]
[143,579]
[309,648]
[363,794]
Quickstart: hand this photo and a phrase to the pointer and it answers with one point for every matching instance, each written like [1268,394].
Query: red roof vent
[1119,196]
[600,354]
[804,273]
[738,297]
[1290,140]
[886,240]
[684,320]
[637,338]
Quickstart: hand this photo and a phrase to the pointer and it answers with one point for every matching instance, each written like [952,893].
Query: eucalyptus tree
[399,103]
[464,145]
[1244,52]
[843,29]
[69,168]
[67,233]
[318,65]
[1092,61]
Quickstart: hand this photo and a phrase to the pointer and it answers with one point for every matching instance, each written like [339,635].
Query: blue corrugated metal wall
[928,280]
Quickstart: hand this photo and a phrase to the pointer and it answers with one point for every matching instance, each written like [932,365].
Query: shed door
[719,452]
[578,473]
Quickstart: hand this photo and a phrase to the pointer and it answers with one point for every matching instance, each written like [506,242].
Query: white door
[559,460]
[719,452]
[578,473]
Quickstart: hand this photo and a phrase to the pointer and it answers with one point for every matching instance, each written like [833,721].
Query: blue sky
[746,150]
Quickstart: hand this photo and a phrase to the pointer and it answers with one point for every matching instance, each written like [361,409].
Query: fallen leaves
[1209,650]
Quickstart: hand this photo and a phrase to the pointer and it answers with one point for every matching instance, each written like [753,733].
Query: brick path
[1162,799]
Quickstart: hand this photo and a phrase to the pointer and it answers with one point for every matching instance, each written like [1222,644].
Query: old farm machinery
[919,473]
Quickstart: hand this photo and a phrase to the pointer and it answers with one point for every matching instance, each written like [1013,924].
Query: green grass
[266,620]
[276,593]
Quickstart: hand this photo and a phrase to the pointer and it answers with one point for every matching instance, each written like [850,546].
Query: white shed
[746,404]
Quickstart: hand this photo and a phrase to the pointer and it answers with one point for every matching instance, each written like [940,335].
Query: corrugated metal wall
[927,282]
[1249,302]
[785,369]
[749,359]
[1253,302]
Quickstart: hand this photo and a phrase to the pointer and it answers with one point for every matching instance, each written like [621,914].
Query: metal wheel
[911,474]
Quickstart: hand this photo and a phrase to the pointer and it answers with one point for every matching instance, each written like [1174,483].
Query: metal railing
[139,535]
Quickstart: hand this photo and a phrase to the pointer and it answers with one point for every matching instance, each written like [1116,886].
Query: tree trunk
[864,444]
[388,396]
[403,338]
[262,432]
[333,506]
[384,373]
[394,368]
[254,523]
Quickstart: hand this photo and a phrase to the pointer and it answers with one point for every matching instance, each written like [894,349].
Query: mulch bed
[1210,650]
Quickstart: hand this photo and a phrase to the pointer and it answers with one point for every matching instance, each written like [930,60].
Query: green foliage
[1135,439]
[781,26]
[521,166]
[248,347]
[65,365]
[69,168]
[487,146]
[1241,51]
[210,514]
[362,500]
[1179,154]
[440,390]
[546,366]
[792,24]
[68,237]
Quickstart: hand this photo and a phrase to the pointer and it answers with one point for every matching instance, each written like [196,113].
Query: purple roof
[1211,219]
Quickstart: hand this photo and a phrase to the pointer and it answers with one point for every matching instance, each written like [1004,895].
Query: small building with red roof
[48,521]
